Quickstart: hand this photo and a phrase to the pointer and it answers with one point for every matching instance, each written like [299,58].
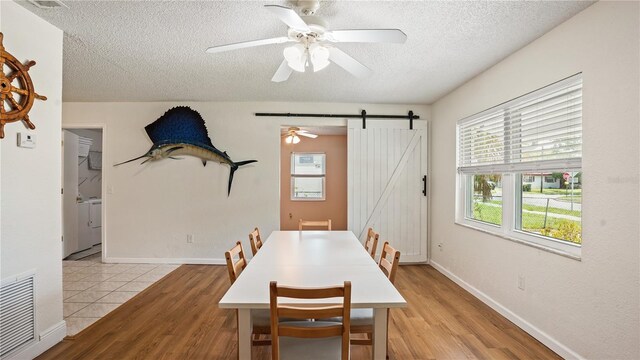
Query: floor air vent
[17,313]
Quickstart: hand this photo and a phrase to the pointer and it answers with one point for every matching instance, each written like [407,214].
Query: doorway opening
[82,193]
[313,175]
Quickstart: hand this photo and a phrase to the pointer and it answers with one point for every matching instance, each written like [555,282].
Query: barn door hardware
[363,115]
[424,185]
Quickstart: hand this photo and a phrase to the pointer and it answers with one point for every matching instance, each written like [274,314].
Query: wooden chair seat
[312,349]
[359,317]
[261,320]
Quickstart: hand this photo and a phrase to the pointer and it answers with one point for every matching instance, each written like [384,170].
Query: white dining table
[312,259]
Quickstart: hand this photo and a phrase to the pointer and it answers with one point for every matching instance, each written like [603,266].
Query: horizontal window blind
[538,131]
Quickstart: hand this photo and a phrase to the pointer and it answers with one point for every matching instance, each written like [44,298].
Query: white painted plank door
[69,193]
[386,166]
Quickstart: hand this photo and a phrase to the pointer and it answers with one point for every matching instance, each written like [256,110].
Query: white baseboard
[193,261]
[532,330]
[46,340]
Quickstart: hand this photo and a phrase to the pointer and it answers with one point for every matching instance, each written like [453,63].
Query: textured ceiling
[154,51]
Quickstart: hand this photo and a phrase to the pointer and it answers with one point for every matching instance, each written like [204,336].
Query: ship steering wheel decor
[16,90]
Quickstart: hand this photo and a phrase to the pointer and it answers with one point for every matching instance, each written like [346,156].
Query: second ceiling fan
[314,43]
[291,136]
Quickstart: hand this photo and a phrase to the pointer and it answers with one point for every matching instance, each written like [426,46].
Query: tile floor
[91,289]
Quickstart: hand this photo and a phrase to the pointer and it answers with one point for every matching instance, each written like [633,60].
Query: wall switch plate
[26,140]
[521,282]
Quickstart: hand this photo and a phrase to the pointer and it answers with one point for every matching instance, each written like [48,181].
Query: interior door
[69,193]
[387,167]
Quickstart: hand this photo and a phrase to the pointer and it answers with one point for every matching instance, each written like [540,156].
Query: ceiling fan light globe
[295,139]
[319,65]
[319,57]
[289,139]
[298,66]
[296,57]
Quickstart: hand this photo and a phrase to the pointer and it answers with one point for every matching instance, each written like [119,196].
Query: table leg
[380,333]
[244,334]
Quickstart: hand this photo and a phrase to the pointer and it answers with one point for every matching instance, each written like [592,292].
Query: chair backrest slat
[307,313]
[310,293]
[310,332]
[314,223]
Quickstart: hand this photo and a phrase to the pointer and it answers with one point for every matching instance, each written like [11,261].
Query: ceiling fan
[293,133]
[314,43]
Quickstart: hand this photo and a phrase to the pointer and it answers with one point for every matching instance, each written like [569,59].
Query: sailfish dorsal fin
[179,125]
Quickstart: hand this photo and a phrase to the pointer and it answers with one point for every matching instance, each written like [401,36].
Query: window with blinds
[520,169]
[538,131]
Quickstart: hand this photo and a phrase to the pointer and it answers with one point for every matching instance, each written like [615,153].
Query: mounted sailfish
[182,131]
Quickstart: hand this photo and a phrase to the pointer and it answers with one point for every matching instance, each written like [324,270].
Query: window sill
[549,249]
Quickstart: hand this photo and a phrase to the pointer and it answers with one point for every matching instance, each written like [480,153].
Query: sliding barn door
[387,184]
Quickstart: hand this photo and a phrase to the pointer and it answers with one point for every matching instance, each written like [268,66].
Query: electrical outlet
[189,239]
[521,282]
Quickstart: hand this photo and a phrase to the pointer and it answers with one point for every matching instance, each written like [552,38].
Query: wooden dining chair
[389,267]
[362,319]
[259,318]
[304,339]
[372,242]
[314,223]
[235,267]
[255,240]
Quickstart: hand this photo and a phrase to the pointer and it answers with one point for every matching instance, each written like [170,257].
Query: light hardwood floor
[178,318]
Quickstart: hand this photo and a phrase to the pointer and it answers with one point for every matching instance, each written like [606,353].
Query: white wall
[30,179]
[587,308]
[153,207]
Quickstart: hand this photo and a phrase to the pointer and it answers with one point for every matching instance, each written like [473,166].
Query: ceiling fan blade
[283,72]
[309,135]
[289,17]
[348,63]
[247,44]
[369,36]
